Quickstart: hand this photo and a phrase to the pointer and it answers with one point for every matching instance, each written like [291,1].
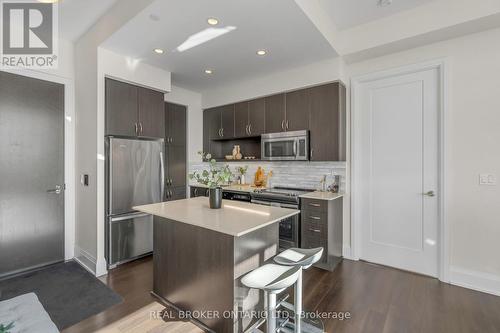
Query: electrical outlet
[487,179]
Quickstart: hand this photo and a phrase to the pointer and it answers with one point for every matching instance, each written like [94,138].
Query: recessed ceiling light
[212,21]
[208,71]
[261,52]
[159,51]
[384,3]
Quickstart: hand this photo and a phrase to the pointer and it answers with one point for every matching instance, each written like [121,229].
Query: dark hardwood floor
[379,299]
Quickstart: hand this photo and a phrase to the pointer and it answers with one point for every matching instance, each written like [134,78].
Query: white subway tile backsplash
[289,174]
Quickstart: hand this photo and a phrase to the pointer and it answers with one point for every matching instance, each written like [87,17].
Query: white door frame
[69,152]
[441,65]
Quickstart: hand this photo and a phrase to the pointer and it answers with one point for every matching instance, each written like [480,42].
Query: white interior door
[398,169]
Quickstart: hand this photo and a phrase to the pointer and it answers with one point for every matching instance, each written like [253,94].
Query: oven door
[289,228]
[289,233]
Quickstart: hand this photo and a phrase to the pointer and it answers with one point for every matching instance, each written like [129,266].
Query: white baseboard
[101,267]
[346,252]
[85,259]
[484,282]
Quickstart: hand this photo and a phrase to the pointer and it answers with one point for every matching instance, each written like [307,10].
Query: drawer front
[311,240]
[312,205]
[314,232]
[314,217]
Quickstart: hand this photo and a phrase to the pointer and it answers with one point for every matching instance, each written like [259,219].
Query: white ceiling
[349,13]
[279,26]
[77,16]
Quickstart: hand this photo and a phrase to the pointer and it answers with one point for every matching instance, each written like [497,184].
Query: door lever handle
[56,190]
[430,194]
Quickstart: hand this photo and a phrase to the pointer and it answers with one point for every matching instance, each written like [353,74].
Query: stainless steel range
[285,198]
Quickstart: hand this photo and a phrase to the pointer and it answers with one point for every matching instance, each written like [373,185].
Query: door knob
[430,194]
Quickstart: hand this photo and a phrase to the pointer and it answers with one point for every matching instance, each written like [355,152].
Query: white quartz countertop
[322,195]
[235,218]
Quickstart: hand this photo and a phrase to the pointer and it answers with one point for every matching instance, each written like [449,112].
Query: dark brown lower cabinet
[322,226]
[177,193]
[196,191]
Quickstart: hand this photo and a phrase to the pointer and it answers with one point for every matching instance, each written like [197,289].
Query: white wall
[473,135]
[192,100]
[89,247]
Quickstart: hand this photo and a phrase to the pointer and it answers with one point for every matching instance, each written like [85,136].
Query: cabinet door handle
[250,129]
[312,152]
[222,129]
[136,127]
[315,218]
[283,124]
[314,205]
[286,125]
[314,230]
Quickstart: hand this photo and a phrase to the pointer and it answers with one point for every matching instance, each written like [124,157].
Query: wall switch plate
[487,179]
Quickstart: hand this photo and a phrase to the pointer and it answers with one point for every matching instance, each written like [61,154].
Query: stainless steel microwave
[285,146]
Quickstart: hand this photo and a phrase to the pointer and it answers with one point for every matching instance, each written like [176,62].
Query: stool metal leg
[298,303]
[271,313]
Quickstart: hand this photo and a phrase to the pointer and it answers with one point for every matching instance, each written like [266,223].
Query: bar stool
[272,279]
[303,258]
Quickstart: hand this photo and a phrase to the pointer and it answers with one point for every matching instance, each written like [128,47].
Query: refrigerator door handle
[162,176]
[113,219]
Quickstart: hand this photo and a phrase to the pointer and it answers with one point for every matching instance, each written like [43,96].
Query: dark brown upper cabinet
[221,123]
[214,123]
[175,124]
[250,118]
[121,108]
[297,110]
[327,122]
[275,113]
[257,117]
[227,121]
[211,128]
[241,119]
[151,113]
[133,110]
[320,109]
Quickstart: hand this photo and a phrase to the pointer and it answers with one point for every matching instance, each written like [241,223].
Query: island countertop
[235,218]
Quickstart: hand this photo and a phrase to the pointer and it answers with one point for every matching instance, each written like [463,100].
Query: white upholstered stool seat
[299,257]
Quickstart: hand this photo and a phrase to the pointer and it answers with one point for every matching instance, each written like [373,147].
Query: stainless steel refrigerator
[135,173]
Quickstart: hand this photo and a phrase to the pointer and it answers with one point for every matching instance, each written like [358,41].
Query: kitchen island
[200,254]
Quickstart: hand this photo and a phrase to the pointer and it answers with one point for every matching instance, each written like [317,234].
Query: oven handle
[268,203]
[258,202]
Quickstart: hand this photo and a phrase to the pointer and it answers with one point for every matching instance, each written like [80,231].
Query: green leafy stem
[215,176]
[6,329]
